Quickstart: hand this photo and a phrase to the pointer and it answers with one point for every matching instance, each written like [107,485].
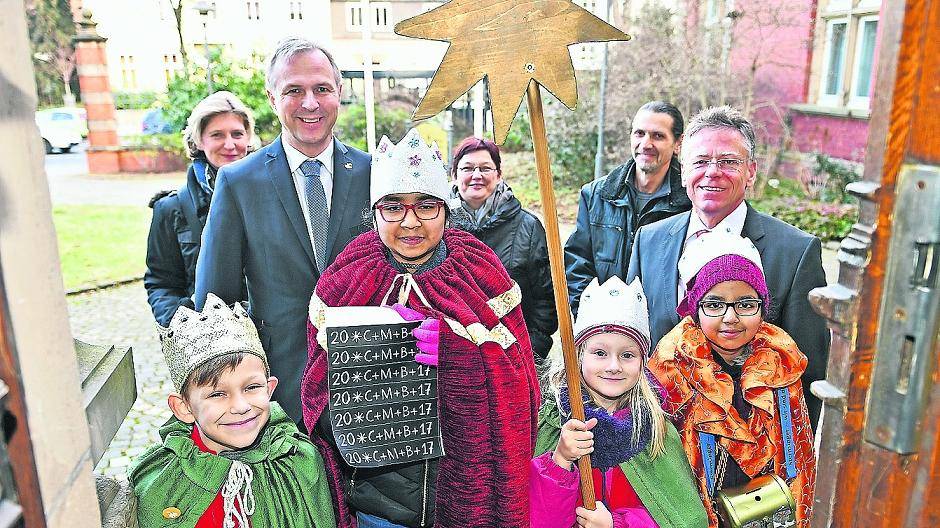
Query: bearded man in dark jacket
[495,216]
[643,190]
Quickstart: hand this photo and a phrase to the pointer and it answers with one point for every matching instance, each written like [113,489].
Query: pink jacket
[554,494]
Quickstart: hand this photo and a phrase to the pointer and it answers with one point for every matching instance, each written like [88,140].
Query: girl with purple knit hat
[733,388]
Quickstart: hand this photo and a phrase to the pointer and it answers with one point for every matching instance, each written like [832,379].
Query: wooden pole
[559,283]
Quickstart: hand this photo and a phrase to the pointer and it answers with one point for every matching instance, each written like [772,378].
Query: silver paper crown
[193,338]
[613,303]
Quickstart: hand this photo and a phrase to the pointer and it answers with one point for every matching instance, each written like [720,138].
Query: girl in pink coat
[642,478]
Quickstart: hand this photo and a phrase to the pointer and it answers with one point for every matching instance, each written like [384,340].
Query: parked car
[60,129]
[155,123]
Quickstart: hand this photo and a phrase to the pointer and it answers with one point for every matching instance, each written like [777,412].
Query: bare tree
[695,61]
[51,29]
[177,7]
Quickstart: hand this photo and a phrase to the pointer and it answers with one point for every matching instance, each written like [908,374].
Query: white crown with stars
[411,166]
[613,303]
[193,338]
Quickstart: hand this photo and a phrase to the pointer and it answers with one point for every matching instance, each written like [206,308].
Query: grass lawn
[100,243]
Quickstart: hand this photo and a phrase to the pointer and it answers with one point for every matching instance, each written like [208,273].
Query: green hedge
[242,79]
[134,101]
[826,220]
[351,124]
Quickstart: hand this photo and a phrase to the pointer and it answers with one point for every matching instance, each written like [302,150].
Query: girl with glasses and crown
[472,331]
[733,387]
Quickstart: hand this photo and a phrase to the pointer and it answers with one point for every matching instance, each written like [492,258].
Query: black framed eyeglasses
[396,211]
[742,307]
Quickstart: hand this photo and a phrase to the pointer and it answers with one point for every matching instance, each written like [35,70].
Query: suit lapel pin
[348,165]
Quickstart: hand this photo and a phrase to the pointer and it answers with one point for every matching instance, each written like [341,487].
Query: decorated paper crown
[411,166]
[193,338]
[712,245]
[613,306]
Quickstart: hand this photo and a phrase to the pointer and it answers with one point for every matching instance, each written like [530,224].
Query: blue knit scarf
[613,435]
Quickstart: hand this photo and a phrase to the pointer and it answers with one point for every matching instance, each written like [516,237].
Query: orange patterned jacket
[698,396]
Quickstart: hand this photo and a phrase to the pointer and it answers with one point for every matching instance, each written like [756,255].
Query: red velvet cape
[488,395]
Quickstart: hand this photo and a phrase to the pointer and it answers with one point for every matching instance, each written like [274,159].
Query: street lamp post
[602,111]
[204,8]
[368,16]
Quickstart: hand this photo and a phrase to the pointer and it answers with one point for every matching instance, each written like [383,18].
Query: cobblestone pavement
[121,316]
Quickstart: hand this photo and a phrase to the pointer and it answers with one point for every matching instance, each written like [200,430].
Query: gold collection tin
[764,502]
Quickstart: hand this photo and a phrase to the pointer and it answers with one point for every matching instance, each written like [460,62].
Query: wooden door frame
[20,446]
[867,485]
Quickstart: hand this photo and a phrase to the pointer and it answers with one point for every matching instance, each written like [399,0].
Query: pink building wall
[771,49]
[838,137]
[773,46]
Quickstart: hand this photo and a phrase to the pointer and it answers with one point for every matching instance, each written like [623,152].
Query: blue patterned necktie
[317,208]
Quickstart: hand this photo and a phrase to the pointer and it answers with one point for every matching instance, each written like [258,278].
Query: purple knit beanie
[725,268]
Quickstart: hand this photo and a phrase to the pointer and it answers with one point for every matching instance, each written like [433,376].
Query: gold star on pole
[510,42]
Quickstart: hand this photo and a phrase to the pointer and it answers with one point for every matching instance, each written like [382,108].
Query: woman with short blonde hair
[218,132]
[210,107]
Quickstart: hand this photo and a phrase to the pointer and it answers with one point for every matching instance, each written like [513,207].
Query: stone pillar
[92,65]
[36,326]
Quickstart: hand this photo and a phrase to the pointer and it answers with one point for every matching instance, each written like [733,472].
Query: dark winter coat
[173,244]
[607,224]
[256,232]
[518,239]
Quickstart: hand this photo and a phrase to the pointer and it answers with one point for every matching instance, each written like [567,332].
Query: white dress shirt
[294,160]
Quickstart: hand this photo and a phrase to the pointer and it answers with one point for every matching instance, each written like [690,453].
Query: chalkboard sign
[383,404]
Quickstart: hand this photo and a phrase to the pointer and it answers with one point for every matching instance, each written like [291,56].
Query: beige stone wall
[34,293]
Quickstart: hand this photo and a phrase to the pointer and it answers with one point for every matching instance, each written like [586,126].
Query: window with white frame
[590,5]
[860,94]
[353,16]
[254,10]
[296,11]
[381,18]
[128,72]
[833,63]
[846,66]
[171,66]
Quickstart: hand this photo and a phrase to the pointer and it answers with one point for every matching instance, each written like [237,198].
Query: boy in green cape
[230,458]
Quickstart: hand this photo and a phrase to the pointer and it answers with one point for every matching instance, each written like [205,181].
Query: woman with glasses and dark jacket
[471,331]
[495,216]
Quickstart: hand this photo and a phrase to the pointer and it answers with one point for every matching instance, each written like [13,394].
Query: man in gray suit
[282,214]
[718,166]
